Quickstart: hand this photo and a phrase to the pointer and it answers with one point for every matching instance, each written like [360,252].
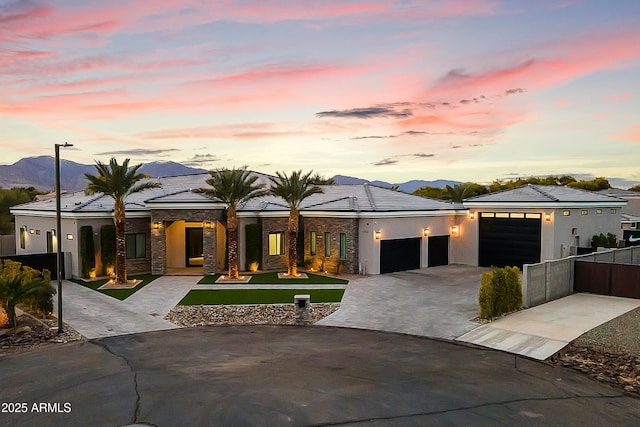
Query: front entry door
[193,241]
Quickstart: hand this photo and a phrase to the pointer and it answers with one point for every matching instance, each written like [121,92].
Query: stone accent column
[209,248]
[158,248]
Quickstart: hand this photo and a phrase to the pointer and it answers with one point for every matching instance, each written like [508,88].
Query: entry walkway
[161,295]
[542,331]
[96,315]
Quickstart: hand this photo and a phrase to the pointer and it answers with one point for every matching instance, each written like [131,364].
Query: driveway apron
[436,302]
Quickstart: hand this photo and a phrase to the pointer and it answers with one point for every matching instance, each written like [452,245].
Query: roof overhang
[185,205]
[541,205]
[353,214]
[66,214]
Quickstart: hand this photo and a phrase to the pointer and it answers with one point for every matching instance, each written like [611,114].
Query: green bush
[500,292]
[87,249]
[108,248]
[602,241]
[253,239]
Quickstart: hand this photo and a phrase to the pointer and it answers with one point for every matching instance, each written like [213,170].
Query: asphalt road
[295,376]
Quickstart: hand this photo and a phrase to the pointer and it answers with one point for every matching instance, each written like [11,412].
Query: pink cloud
[616,97]
[632,134]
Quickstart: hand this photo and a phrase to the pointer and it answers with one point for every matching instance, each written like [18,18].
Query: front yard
[258,296]
[120,294]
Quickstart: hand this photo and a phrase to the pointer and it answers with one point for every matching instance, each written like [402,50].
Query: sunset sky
[391,90]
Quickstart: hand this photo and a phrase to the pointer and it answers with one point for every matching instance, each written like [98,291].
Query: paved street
[299,376]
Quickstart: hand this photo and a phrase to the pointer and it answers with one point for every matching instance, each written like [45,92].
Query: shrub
[108,247]
[602,241]
[87,249]
[22,284]
[500,292]
[253,251]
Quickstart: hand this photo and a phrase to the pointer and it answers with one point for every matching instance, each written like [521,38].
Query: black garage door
[438,250]
[399,254]
[509,241]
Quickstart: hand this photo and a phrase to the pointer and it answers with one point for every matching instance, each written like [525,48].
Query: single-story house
[357,228]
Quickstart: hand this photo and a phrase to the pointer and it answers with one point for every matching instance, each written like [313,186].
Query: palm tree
[21,286]
[293,189]
[459,192]
[118,182]
[232,187]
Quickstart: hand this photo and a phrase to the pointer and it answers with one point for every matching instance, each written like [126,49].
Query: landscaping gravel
[263,314]
[609,353]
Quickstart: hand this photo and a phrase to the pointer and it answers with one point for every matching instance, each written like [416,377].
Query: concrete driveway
[434,302]
[297,376]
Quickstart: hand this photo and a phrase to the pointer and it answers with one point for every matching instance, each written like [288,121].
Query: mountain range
[39,172]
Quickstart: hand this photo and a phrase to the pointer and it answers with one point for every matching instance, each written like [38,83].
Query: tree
[232,187]
[293,189]
[459,192]
[635,188]
[9,198]
[432,192]
[318,179]
[21,284]
[600,183]
[118,182]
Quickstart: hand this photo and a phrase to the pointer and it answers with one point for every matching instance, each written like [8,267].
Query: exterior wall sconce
[547,217]
[377,234]
[455,230]
[207,224]
[156,225]
[425,232]
[69,236]
[472,215]
[32,231]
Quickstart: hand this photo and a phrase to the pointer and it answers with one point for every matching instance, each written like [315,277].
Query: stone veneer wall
[159,240]
[274,225]
[335,226]
[140,265]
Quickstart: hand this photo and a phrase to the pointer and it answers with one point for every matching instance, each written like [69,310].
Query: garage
[399,254]
[438,251]
[509,239]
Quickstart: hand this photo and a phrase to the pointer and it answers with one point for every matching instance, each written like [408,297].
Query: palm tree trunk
[232,235]
[293,242]
[119,220]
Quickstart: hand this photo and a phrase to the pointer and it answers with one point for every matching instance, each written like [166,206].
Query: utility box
[302,309]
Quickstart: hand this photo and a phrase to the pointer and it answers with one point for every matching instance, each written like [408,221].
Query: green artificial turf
[120,294]
[258,296]
[272,279]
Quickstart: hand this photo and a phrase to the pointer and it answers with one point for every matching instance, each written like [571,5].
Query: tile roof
[177,189]
[534,194]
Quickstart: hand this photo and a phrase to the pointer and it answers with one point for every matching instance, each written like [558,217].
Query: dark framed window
[276,243]
[23,237]
[136,245]
[343,246]
[327,244]
[312,243]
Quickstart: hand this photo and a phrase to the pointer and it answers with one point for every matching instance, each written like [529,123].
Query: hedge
[500,292]
[87,250]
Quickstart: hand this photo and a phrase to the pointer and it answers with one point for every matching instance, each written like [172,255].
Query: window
[50,235]
[614,211]
[487,214]
[23,237]
[327,244]
[566,213]
[584,212]
[598,211]
[312,243]
[343,246]
[534,215]
[517,215]
[136,245]
[276,243]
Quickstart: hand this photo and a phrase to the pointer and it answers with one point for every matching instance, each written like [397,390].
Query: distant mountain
[39,172]
[407,187]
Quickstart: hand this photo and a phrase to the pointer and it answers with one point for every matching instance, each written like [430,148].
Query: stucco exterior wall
[577,229]
[402,228]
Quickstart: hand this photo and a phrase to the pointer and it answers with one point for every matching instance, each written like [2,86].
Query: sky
[468,90]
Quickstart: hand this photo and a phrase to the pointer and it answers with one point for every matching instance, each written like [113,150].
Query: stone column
[209,249]
[158,248]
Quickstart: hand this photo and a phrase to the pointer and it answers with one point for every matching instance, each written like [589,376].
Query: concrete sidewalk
[542,331]
[160,296]
[96,315]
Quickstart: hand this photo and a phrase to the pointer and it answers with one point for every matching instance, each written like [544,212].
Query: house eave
[551,205]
